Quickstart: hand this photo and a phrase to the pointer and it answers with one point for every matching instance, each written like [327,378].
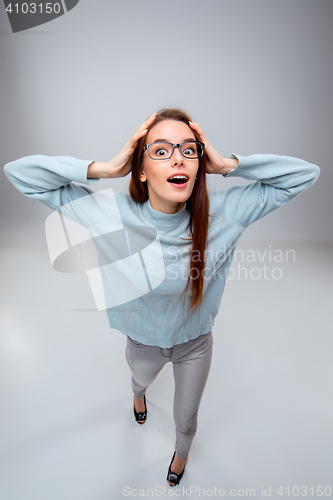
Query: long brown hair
[197,205]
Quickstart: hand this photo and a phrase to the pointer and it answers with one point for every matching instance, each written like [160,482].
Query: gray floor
[67,424]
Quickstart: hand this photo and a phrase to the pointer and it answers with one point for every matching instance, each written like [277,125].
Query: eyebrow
[165,140]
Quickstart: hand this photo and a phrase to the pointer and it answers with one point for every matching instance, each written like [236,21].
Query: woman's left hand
[216,163]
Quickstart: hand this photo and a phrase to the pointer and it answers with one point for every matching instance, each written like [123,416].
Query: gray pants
[191,363]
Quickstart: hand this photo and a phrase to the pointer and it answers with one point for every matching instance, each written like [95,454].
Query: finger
[143,129]
[151,119]
[142,133]
[199,130]
[148,122]
[138,134]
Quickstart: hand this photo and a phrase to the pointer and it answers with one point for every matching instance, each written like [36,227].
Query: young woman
[197,233]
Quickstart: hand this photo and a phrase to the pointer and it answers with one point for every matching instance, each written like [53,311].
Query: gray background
[257,76]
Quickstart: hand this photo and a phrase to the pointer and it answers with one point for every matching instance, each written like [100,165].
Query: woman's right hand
[121,165]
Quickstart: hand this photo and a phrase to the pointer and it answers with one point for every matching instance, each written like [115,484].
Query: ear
[143,177]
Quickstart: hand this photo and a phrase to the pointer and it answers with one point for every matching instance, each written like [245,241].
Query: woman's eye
[189,151]
[161,152]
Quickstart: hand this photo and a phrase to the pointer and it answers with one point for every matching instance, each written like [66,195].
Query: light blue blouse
[142,254]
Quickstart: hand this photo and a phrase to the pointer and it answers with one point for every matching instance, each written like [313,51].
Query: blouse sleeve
[49,179]
[277,180]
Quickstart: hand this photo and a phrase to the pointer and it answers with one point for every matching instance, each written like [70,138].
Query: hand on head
[215,162]
[121,165]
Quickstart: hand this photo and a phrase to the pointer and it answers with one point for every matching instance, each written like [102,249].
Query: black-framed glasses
[164,150]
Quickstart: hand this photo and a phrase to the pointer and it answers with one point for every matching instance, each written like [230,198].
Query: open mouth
[178,179]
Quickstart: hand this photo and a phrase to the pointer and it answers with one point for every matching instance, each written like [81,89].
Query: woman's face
[164,195]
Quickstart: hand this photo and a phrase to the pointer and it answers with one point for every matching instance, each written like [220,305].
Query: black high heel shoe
[143,414]
[172,477]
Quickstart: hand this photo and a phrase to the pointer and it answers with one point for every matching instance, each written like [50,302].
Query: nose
[177,157]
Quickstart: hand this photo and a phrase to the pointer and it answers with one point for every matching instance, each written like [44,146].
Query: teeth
[179,177]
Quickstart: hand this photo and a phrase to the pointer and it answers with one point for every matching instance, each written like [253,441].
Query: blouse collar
[161,219]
